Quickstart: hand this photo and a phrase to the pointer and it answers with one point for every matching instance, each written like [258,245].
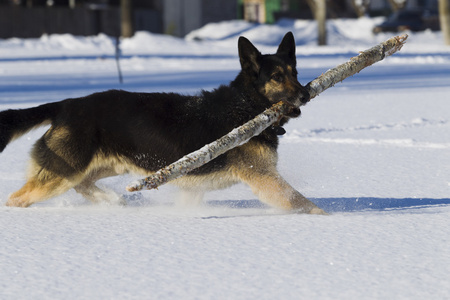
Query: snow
[374,151]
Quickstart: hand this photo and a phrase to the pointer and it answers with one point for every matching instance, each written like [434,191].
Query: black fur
[168,126]
[17,122]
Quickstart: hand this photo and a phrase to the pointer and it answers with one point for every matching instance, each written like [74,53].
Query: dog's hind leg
[58,162]
[89,190]
[39,187]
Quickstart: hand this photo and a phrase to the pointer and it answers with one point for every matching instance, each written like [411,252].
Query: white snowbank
[344,36]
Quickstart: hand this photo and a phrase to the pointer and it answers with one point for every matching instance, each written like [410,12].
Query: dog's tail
[16,122]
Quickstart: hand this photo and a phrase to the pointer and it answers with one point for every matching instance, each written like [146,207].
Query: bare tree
[397,4]
[319,10]
[444,16]
[361,7]
[126,19]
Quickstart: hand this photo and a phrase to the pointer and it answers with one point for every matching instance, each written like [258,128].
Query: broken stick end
[400,40]
[131,188]
[135,186]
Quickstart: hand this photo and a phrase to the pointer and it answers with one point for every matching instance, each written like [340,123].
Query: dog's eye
[278,77]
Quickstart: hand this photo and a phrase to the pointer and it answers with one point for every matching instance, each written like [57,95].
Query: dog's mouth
[295,103]
[299,100]
[294,110]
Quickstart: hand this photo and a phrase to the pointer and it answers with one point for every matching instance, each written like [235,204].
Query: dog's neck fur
[252,97]
[242,83]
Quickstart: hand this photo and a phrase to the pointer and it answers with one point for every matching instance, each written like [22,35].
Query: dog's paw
[16,202]
[317,211]
[311,211]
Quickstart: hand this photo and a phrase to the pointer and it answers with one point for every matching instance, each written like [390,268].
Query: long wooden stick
[242,134]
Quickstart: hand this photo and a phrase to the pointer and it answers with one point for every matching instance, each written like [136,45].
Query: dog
[116,132]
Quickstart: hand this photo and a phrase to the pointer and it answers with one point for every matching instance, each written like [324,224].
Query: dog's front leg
[256,165]
[272,189]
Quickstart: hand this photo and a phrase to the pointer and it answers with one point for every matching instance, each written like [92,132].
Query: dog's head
[274,76]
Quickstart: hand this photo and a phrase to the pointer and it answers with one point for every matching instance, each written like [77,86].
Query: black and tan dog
[116,132]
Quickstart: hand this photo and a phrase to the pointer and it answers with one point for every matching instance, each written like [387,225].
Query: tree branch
[242,134]
[355,65]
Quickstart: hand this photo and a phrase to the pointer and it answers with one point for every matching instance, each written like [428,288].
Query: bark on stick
[242,134]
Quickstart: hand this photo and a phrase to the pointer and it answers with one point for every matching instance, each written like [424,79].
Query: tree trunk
[321,17]
[319,10]
[242,134]
[126,19]
[444,16]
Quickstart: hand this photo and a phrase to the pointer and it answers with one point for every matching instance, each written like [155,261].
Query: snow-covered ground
[374,151]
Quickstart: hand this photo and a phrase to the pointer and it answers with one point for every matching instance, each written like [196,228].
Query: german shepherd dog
[117,132]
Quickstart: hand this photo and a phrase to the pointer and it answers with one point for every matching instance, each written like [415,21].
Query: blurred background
[33,18]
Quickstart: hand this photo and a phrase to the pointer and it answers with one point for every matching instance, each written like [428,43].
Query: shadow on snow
[333,205]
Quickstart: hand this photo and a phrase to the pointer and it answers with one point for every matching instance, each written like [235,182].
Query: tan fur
[272,87]
[257,167]
[43,184]
[55,136]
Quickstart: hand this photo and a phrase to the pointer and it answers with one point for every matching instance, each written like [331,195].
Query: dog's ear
[249,56]
[287,46]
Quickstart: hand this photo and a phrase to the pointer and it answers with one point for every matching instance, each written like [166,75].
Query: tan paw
[317,211]
[14,202]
